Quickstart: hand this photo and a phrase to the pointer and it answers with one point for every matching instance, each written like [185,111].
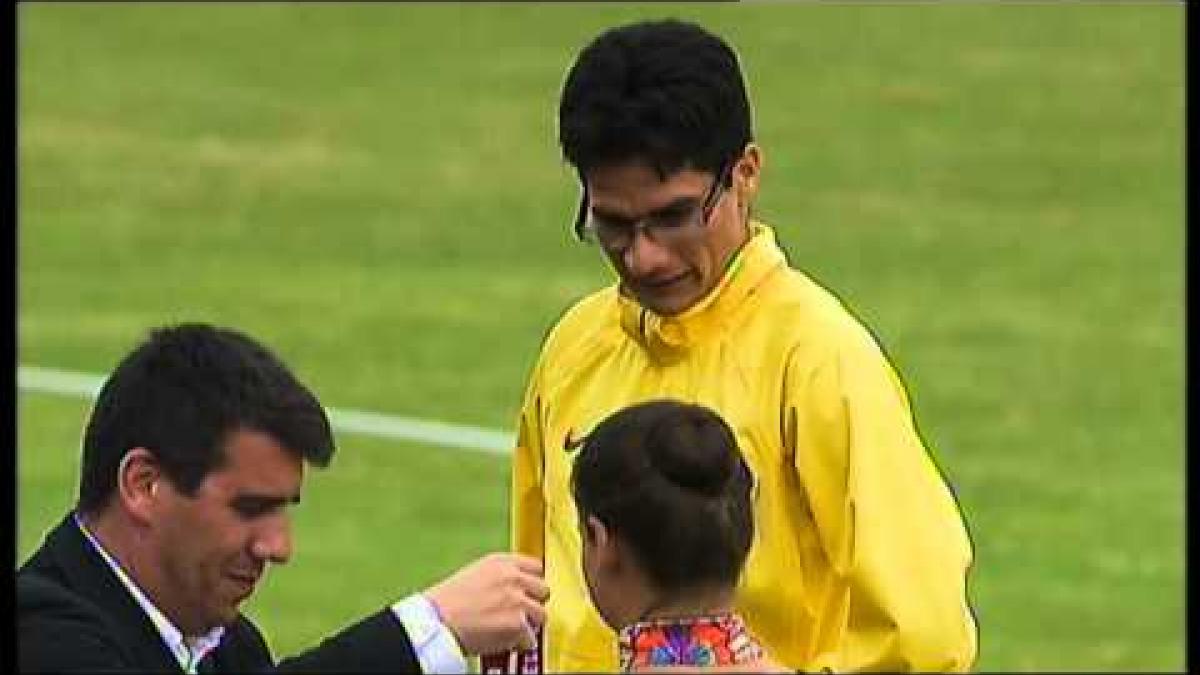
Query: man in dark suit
[195,449]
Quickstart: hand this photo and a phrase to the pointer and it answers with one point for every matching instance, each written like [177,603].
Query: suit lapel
[87,574]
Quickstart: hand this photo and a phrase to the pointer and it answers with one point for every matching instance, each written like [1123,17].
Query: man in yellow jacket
[861,555]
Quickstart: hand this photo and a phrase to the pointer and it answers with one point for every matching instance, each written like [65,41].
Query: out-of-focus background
[376,192]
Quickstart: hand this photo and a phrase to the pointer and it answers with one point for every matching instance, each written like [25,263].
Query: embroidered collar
[716,640]
[668,337]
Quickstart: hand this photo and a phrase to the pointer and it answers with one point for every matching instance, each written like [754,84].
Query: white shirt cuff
[436,647]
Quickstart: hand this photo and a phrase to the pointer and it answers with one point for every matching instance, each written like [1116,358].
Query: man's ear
[139,484]
[747,172]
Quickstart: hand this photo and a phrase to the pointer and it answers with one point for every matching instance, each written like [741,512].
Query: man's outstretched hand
[493,604]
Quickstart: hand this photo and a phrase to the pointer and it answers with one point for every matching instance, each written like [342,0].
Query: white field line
[85,385]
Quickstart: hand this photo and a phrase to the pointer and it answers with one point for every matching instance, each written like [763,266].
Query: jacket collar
[185,649]
[86,573]
[668,338]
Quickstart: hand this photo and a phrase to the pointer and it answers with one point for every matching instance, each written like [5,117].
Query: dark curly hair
[665,92]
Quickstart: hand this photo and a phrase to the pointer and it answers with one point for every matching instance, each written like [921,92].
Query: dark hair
[665,92]
[667,477]
[180,394]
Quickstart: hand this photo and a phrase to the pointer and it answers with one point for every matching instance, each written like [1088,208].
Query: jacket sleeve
[886,520]
[527,501]
[376,644]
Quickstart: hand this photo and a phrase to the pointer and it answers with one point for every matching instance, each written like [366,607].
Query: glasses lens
[612,236]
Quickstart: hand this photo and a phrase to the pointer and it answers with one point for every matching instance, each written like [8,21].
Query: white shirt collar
[188,651]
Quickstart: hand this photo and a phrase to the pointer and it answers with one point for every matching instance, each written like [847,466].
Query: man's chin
[213,617]
[224,616]
[227,612]
[667,304]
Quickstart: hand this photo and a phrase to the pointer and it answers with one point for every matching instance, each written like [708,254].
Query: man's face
[668,274]
[214,546]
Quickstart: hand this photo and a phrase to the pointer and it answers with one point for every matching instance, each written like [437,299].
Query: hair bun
[696,452]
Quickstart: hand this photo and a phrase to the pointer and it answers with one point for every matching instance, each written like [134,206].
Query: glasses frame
[711,197]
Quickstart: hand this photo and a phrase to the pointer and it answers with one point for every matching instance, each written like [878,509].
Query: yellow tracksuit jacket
[860,555]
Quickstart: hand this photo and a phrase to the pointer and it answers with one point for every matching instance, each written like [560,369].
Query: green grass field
[376,191]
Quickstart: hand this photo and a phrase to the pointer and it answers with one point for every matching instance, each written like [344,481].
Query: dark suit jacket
[75,615]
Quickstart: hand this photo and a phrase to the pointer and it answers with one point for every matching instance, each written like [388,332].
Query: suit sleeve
[59,632]
[377,644]
[886,519]
[527,501]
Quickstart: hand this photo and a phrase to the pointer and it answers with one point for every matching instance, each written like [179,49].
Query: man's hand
[494,604]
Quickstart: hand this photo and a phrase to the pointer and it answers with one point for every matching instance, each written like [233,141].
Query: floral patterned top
[718,640]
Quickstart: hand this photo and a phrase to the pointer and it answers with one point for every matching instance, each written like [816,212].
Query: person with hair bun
[664,502]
